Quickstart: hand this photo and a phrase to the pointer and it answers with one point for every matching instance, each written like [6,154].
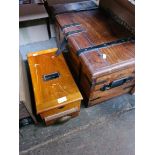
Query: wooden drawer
[61,111]
[112,77]
[109,94]
[112,91]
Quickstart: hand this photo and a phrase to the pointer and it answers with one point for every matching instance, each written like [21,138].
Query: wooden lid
[52,81]
[108,60]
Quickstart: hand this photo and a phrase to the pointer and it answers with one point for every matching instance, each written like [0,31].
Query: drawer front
[109,94]
[61,111]
[105,80]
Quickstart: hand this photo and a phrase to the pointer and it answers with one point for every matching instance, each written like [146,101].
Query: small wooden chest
[56,95]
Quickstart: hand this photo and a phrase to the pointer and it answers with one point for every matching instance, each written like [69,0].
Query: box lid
[52,81]
[103,61]
[90,28]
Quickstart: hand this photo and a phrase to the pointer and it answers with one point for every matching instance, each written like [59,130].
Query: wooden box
[107,72]
[56,95]
[101,52]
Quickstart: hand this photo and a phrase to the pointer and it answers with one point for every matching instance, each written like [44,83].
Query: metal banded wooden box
[101,52]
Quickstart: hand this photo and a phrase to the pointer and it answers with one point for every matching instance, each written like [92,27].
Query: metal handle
[63,119]
[61,114]
[116,83]
[51,76]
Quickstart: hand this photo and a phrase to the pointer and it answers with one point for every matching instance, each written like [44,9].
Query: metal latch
[51,76]
[116,83]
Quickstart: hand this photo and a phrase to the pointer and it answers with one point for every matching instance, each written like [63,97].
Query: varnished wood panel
[47,93]
[110,92]
[116,75]
[91,90]
[118,57]
[105,28]
[113,93]
[60,109]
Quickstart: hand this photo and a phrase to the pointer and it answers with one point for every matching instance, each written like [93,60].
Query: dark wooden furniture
[101,49]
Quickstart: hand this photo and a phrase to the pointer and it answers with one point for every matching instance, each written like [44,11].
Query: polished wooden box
[101,52]
[57,97]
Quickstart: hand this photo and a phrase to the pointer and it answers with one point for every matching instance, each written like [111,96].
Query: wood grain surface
[47,93]
[91,68]
[118,57]
[105,30]
[123,9]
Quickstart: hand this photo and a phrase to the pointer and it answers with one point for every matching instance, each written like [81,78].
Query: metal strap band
[64,42]
[104,45]
[72,33]
[70,25]
[62,47]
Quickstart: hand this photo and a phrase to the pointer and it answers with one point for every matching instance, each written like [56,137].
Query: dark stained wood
[49,95]
[105,30]
[111,94]
[123,9]
[94,71]
[58,2]
[72,7]
[118,57]
[92,93]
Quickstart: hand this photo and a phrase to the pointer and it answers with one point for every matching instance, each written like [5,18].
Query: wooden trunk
[101,53]
[56,94]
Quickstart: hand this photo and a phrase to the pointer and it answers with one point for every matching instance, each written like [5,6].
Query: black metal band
[104,45]
[62,47]
[70,25]
[64,42]
[72,32]
[70,11]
